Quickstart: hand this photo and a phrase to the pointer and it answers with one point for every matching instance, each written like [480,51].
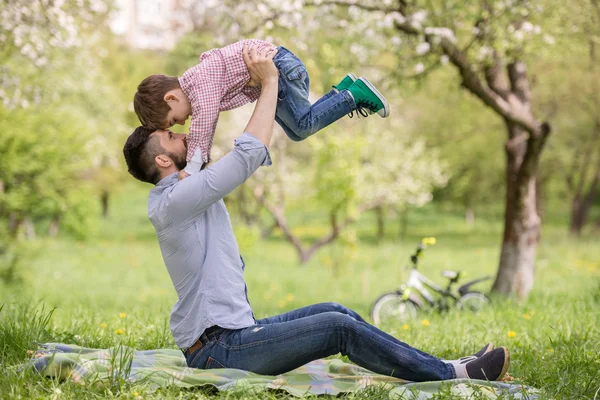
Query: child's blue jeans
[278,344]
[298,118]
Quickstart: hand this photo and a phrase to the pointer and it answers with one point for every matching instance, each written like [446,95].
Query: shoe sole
[353,77]
[506,364]
[490,347]
[386,106]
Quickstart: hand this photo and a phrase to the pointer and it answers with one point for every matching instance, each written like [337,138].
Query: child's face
[180,109]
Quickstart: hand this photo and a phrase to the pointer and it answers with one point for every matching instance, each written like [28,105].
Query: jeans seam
[286,334]
[349,99]
[353,328]
[311,123]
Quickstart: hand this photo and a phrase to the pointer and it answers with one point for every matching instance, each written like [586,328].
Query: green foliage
[335,176]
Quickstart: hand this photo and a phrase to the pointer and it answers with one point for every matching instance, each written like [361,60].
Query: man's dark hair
[149,103]
[140,150]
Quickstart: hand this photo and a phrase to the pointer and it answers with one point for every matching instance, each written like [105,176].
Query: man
[212,321]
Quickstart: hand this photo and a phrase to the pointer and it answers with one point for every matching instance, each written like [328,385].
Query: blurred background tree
[489,44]
[68,76]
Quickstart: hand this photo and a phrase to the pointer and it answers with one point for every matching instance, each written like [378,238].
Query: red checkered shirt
[217,83]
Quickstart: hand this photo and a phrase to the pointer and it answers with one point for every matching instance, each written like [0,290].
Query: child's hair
[149,103]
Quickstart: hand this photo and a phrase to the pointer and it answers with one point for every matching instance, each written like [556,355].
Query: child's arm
[201,136]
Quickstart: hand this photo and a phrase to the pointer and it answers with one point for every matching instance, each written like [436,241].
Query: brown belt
[203,339]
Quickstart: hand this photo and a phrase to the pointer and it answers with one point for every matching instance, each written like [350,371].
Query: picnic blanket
[164,367]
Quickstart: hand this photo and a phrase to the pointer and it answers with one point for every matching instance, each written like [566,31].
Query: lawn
[113,288]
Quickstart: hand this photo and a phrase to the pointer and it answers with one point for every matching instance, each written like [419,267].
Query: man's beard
[179,160]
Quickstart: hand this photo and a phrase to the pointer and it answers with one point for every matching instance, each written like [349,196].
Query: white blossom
[419,68]
[548,39]
[519,35]
[419,16]
[484,53]
[527,27]
[423,48]
[441,32]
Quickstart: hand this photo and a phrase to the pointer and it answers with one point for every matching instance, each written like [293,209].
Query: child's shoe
[346,82]
[366,96]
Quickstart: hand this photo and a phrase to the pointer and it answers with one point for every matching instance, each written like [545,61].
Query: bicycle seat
[450,274]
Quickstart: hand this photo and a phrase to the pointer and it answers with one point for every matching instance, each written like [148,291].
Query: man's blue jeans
[298,118]
[281,343]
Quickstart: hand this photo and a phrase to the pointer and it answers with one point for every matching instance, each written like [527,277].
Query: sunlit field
[113,288]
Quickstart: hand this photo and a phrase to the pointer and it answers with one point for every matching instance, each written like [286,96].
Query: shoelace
[360,108]
[359,111]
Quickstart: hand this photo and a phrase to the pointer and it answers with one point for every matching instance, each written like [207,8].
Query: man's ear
[170,96]
[163,161]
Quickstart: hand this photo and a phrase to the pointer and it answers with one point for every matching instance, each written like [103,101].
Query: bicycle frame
[420,283]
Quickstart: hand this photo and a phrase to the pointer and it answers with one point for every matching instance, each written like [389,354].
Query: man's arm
[196,193]
[263,118]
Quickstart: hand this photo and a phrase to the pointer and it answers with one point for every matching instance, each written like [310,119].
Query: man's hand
[260,66]
[183,174]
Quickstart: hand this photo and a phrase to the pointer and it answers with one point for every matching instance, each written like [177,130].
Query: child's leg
[294,109]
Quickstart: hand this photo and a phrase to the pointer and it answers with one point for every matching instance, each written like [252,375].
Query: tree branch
[350,3]
[495,79]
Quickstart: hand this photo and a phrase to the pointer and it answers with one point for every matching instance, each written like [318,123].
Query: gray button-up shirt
[198,245]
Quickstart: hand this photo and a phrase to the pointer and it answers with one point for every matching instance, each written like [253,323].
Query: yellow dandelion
[289,297]
[550,350]
[122,315]
[282,303]
[136,394]
[119,331]
[425,322]
[405,327]
[512,334]
[527,316]
[103,325]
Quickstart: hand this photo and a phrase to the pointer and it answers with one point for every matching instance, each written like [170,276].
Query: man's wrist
[269,82]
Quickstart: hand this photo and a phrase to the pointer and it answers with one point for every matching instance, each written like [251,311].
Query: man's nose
[179,136]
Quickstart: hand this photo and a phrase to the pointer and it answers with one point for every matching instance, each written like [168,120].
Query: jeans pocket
[291,67]
[211,363]
[297,73]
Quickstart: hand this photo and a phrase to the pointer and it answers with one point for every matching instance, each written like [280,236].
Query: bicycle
[413,296]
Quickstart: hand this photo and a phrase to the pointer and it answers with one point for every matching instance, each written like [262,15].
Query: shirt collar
[168,180]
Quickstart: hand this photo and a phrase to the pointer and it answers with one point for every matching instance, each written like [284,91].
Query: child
[220,83]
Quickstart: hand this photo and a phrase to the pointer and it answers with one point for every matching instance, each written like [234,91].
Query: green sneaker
[346,82]
[366,96]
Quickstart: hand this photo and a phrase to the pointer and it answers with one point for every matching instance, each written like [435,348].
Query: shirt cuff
[247,141]
[193,167]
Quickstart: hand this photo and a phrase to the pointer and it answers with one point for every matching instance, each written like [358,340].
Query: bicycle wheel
[392,306]
[473,301]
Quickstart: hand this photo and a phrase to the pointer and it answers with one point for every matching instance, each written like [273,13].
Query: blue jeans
[284,342]
[298,118]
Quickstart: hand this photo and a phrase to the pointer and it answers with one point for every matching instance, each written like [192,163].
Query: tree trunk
[104,201]
[469,216]
[403,223]
[379,211]
[521,220]
[54,226]
[29,228]
[584,200]
[577,219]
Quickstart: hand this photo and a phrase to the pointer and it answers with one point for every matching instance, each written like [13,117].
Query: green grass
[75,292]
